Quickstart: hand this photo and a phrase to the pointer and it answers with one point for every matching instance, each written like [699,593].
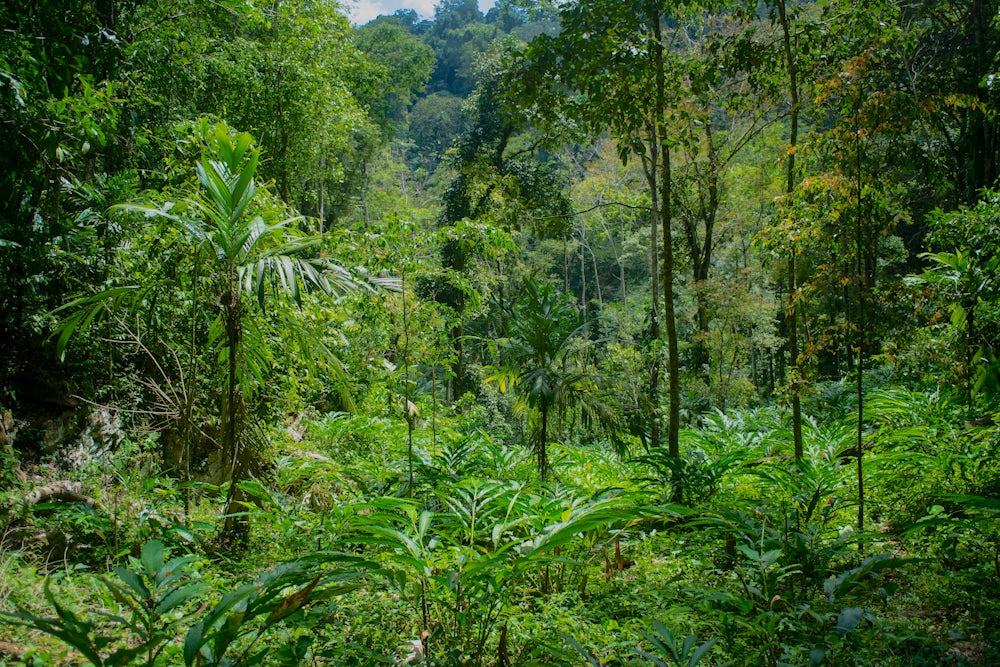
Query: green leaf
[700,652]
[255,489]
[848,620]
[243,191]
[193,641]
[228,632]
[175,569]
[425,522]
[179,596]
[394,538]
[152,557]
[133,581]
[201,632]
[70,630]
[85,310]
[584,653]
[119,594]
[291,604]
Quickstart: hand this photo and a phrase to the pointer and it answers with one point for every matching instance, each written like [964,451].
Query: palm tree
[538,364]
[254,250]
[246,248]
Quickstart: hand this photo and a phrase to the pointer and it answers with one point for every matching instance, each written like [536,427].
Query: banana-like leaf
[84,310]
[204,630]
[179,596]
[292,603]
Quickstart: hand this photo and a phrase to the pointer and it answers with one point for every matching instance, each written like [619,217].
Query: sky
[363,11]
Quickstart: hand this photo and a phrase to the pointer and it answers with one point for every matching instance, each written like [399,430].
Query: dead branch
[63,492]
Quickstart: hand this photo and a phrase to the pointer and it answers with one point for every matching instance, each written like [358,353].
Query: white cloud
[363,11]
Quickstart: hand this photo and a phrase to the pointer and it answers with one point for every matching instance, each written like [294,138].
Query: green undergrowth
[359,554]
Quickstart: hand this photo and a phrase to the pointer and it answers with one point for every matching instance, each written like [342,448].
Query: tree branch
[592,208]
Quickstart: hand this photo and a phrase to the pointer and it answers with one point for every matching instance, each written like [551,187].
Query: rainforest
[558,332]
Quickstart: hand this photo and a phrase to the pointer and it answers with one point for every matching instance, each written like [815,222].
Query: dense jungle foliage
[585,332]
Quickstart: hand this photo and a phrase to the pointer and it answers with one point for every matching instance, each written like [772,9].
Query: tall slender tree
[613,68]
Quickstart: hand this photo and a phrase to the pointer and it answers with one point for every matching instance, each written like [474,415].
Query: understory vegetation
[473,560]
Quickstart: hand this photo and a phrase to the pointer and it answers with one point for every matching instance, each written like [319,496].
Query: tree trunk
[541,453]
[970,322]
[861,328]
[236,527]
[700,250]
[583,270]
[791,312]
[791,321]
[669,318]
[408,407]
[457,367]
[454,257]
[650,170]
[984,142]
[662,147]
